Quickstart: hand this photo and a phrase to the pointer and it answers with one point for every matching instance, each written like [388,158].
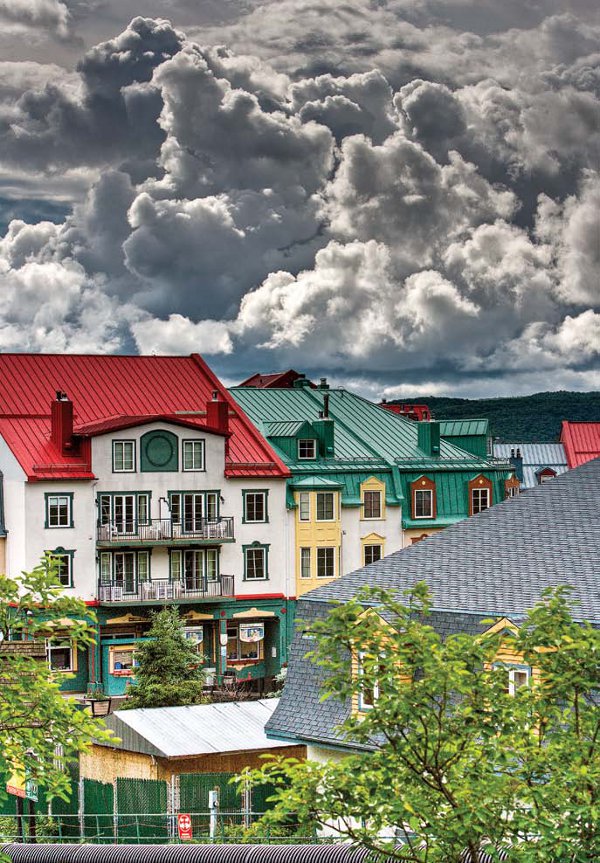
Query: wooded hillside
[524,418]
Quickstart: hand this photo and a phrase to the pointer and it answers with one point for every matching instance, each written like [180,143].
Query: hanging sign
[252,631]
[20,786]
[184,827]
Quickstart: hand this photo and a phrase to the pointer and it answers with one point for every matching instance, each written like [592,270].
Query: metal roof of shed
[198,729]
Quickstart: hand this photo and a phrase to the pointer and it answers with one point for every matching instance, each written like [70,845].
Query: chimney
[428,437]
[323,385]
[217,413]
[61,423]
[516,459]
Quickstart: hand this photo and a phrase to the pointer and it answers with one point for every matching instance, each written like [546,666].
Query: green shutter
[159,451]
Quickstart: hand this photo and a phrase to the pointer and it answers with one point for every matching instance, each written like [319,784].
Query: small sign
[184,827]
[20,786]
[252,632]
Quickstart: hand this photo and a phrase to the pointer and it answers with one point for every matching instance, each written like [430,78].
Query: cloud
[178,335]
[374,190]
[50,14]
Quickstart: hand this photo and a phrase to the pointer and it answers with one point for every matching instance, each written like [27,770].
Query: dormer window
[423,498]
[545,474]
[480,494]
[307,448]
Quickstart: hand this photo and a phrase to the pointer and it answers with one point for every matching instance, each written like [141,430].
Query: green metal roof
[461,428]
[289,428]
[369,441]
[315,482]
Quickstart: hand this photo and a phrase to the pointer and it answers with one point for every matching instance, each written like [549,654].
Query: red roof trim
[121,422]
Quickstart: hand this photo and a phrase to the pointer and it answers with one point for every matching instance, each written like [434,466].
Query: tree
[169,672]
[35,718]
[446,757]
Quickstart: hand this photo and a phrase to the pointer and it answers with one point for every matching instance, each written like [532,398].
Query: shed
[161,742]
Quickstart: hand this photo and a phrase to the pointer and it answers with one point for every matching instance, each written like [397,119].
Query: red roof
[275,380]
[106,391]
[581,441]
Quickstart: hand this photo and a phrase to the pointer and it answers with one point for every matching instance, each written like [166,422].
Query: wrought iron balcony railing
[163,590]
[165,530]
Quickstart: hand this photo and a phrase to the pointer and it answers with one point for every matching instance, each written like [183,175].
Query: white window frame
[263,552]
[423,491]
[480,491]
[333,507]
[259,493]
[69,516]
[362,704]
[512,672]
[333,550]
[61,644]
[68,555]
[305,558]
[122,443]
[313,448]
[304,501]
[193,443]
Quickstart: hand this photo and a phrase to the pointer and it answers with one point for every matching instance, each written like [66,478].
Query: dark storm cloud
[360,186]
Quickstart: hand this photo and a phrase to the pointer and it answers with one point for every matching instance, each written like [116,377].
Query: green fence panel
[260,797]
[142,810]
[193,798]
[98,808]
[65,821]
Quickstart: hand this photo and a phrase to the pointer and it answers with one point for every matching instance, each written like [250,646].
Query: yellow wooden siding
[404,678]
[315,534]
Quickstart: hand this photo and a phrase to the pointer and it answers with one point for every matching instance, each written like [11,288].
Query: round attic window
[159,451]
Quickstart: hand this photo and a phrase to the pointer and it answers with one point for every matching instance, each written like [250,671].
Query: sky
[400,195]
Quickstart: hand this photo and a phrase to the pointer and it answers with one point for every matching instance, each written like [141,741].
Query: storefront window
[123,660]
[245,642]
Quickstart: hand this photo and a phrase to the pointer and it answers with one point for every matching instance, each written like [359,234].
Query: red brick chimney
[61,423]
[217,413]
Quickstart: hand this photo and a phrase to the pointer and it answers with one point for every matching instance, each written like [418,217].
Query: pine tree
[169,672]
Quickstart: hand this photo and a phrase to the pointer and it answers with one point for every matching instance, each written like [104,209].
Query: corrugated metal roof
[459,428]
[104,386]
[581,441]
[199,729]
[535,456]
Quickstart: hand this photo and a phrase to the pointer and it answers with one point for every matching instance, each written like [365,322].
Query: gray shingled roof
[494,564]
[500,561]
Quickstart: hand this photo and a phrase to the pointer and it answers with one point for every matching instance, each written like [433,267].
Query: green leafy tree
[169,672]
[35,718]
[447,760]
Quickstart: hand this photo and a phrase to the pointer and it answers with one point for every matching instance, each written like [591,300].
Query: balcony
[163,590]
[164,531]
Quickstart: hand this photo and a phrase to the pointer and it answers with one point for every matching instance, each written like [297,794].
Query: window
[305,563]
[125,569]
[193,567]
[307,449]
[372,504]
[517,676]
[245,642]
[423,503]
[123,456]
[423,498]
[372,553]
[325,509]
[255,506]
[121,514]
[326,563]
[191,510]
[61,655]
[122,660]
[255,562]
[63,561]
[480,500]
[545,475]
[512,487]
[480,494]
[304,506]
[193,455]
[368,692]
[59,510]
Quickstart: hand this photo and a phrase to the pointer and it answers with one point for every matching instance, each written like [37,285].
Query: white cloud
[179,335]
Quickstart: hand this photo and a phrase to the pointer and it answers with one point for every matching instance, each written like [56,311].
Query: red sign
[184,826]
